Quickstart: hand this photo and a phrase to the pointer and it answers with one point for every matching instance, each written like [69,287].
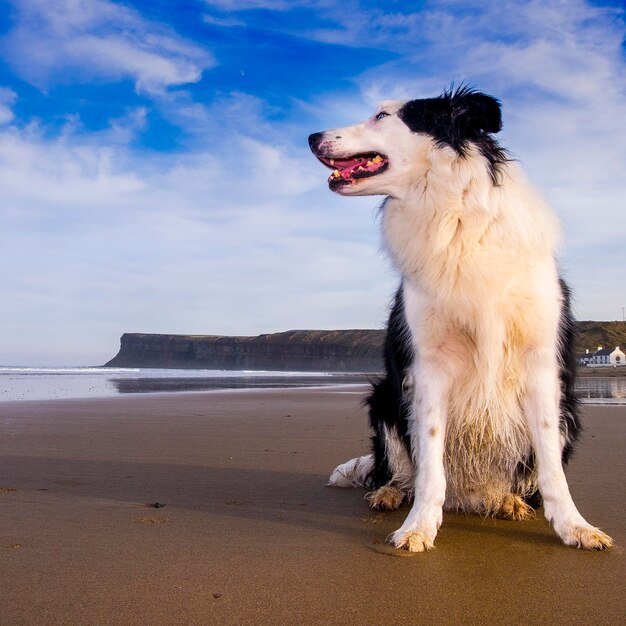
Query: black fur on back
[389,401]
[458,117]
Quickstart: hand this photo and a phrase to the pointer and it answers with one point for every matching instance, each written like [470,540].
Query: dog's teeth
[336,174]
[332,161]
[377,159]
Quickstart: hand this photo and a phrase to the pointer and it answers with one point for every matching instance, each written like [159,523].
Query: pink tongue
[349,166]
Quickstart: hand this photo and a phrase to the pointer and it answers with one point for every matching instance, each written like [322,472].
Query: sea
[52,383]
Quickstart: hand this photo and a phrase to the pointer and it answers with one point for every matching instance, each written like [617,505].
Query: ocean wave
[65,370]
[150,372]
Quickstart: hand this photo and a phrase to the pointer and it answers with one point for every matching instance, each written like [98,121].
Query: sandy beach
[249,534]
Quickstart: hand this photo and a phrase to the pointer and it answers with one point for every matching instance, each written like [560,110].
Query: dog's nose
[314,140]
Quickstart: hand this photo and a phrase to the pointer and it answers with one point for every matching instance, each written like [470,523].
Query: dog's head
[386,152]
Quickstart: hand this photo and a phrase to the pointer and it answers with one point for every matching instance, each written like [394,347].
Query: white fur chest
[469,246]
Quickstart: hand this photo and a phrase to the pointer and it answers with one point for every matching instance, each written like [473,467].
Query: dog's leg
[541,405]
[352,473]
[389,495]
[432,385]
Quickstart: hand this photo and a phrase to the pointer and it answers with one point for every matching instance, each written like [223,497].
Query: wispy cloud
[237,241]
[227,22]
[7,99]
[246,5]
[83,40]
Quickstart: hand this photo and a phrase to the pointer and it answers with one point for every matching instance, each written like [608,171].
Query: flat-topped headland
[294,350]
[356,350]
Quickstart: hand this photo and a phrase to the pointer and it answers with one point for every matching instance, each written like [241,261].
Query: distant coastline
[356,350]
[294,350]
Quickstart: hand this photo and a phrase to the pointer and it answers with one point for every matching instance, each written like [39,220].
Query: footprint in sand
[151,520]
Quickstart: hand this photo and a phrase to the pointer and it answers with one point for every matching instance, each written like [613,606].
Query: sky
[155,175]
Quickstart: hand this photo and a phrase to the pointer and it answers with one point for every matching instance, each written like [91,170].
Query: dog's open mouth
[354,168]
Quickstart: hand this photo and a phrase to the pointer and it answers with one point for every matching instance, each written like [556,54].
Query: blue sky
[155,174]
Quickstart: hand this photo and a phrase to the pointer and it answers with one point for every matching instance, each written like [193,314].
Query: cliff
[297,350]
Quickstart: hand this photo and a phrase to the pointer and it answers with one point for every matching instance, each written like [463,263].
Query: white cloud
[74,40]
[39,177]
[226,22]
[95,240]
[7,99]
[244,5]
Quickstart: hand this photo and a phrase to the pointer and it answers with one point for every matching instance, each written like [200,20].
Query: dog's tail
[352,473]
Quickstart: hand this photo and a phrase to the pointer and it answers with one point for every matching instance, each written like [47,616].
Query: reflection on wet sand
[588,389]
[150,385]
[601,388]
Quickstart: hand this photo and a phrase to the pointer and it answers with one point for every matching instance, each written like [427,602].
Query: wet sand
[152,385]
[602,372]
[249,534]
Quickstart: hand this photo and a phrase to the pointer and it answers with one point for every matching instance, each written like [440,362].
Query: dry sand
[249,534]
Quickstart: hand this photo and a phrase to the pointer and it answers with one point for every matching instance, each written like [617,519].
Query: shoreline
[604,372]
[249,532]
[343,387]
[39,385]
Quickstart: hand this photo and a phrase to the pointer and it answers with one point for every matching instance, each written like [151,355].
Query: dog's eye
[381,115]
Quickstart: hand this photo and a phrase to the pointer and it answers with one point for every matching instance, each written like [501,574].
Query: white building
[606,356]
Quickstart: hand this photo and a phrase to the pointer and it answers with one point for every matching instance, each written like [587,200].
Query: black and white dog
[476,410]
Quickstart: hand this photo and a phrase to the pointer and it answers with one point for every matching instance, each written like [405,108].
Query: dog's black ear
[474,111]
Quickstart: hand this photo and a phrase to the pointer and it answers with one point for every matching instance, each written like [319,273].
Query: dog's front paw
[412,540]
[585,537]
[418,532]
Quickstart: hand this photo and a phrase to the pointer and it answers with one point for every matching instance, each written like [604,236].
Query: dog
[476,408]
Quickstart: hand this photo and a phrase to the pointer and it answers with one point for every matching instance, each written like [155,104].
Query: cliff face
[301,350]
[297,350]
